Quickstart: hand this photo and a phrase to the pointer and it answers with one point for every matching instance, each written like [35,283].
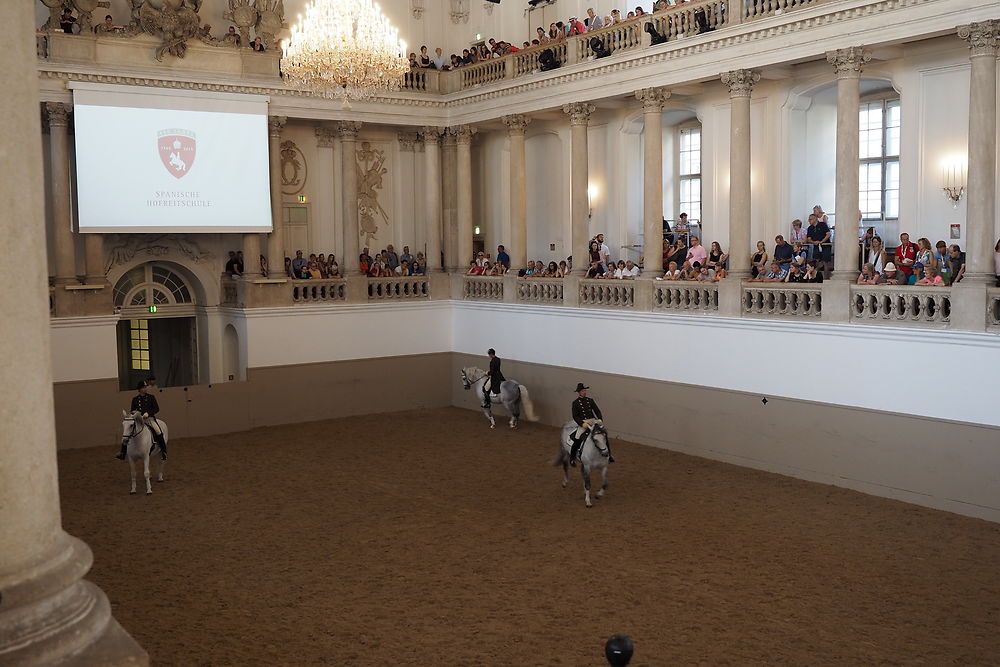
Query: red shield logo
[177,150]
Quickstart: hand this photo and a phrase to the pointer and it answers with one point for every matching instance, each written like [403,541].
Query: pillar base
[836,301]
[262,293]
[731,297]
[357,289]
[510,287]
[571,291]
[439,284]
[969,305]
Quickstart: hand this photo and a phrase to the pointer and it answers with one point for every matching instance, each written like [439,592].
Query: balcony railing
[319,291]
[875,304]
[394,289]
[482,288]
[674,296]
[607,293]
[782,300]
[540,290]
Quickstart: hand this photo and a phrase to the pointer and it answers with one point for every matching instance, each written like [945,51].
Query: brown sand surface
[427,539]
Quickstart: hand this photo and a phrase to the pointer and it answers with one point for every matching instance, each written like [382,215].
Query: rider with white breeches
[145,404]
[586,414]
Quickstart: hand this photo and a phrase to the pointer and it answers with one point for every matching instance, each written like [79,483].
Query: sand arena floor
[427,539]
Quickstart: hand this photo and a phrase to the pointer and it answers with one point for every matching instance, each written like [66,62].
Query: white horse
[593,456]
[512,395]
[140,446]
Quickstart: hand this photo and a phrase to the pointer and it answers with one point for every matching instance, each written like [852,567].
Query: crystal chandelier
[344,48]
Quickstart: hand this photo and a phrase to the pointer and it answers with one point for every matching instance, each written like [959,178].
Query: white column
[740,83]
[48,613]
[579,115]
[449,198]
[348,131]
[463,135]
[324,238]
[518,250]
[652,100]
[276,239]
[982,207]
[847,63]
[58,121]
[432,169]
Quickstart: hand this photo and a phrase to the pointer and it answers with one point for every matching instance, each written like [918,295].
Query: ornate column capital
[463,133]
[430,134]
[516,123]
[579,112]
[348,129]
[847,63]
[983,37]
[275,124]
[652,99]
[448,140]
[57,114]
[406,140]
[325,136]
[740,81]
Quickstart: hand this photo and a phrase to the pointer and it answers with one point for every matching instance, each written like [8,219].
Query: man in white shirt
[605,252]
[438,58]
[631,270]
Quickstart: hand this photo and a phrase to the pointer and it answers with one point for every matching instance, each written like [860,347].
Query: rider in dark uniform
[495,378]
[146,405]
[586,414]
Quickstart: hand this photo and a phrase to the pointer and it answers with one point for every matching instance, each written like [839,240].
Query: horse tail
[560,458]
[529,407]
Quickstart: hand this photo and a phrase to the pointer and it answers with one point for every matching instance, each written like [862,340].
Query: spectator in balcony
[672,272]
[821,216]
[466,57]
[925,255]
[575,27]
[553,33]
[257,45]
[819,237]
[639,11]
[890,276]
[758,261]
[930,277]
[288,268]
[680,252]
[404,269]
[631,270]
[876,254]
[364,263]
[697,253]
[716,258]
[596,267]
[775,274]
[107,26]
[419,266]
[957,260]
[798,234]
[456,62]
[691,270]
[682,223]
[332,268]
[719,273]
[474,269]
[795,274]
[660,5]
[424,59]
[918,273]
[542,37]
[813,274]
[413,61]
[67,21]
[438,60]
[232,36]
[783,252]
[232,265]
[593,21]
[391,257]
[868,275]
[940,261]
[605,253]
[503,258]
[616,16]
[630,16]
[299,264]
[906,255]
[799,254]
[406,256]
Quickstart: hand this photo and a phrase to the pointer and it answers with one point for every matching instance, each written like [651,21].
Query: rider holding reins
[145,404]
[586,414]
[494,380]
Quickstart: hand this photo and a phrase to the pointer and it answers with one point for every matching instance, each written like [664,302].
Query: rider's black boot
[163,447]
[574,451]
[121,454]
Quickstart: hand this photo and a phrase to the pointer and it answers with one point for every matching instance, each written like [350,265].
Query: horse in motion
[593,456]
[140,446]
[512,395]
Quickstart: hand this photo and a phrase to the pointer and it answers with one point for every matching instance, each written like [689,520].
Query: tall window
[139,344]
[690,172]
[879,180]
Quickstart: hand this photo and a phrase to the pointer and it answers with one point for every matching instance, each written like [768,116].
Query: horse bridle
[132,433]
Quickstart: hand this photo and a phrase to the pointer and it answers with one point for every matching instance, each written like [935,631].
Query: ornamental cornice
[516,123]
[983,37]
[740,82]
[348,129]
[847,63]
[325,136]
[275,124]
[57,114]
[579,112]
[652,99]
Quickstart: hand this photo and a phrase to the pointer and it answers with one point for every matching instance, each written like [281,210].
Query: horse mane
[474,373]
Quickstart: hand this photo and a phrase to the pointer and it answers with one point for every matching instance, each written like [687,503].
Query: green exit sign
[152,309]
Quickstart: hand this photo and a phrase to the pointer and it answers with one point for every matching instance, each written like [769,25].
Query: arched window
[151,285]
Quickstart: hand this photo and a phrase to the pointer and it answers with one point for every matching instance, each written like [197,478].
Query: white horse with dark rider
[594,455]
[513,396]
[140,445]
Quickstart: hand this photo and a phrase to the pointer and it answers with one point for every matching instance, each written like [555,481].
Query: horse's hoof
[131,493]
[159,481]
[493,425]
[149,493]
[589,505]
[564,485]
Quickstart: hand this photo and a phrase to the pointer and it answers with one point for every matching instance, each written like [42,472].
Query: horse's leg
[585,471]
[163,464]
[565,466]
[131,467]
[489,415]
[604,482]
[145,472]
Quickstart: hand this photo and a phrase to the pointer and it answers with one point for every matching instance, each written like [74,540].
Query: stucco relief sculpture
[371,169]
[294,170]
[173,21]
[154,245]
[83,8]
[266,17]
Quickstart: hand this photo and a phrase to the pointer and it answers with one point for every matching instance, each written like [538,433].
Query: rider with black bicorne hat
[145,404]
[586,414]
[494,380]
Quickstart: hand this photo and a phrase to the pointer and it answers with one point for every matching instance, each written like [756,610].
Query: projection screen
[153,160]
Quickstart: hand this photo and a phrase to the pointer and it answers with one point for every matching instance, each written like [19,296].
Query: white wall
[84,348]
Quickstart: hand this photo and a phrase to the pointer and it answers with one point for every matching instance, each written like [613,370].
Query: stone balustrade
[395,289]
[607,293]
[782,300]
[889,304]
[230,292]
[319,291]
[482,288]
[540,290]
[677,296]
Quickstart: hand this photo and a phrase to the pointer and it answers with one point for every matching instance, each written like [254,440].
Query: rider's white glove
[145,415]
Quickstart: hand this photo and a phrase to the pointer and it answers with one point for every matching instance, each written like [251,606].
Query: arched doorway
[158,333]
[231,368]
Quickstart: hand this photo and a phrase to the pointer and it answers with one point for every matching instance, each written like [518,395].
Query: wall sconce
[954,176]
[591,196]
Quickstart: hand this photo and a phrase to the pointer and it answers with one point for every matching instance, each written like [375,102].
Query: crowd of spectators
[911,263]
